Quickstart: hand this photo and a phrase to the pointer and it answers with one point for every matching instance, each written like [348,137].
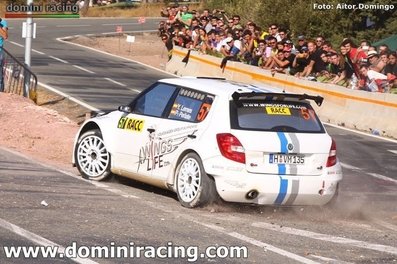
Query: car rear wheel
[92,157]
[194,187]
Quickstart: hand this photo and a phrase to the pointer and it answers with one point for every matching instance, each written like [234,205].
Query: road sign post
[28,46]
[119,29]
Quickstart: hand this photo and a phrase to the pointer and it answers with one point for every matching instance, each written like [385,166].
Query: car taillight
[332,155]
[231,147]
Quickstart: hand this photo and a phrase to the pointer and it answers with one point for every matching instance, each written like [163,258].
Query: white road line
[392,151]
[116,82]
[381,177]
[328,238]
[134,90]
[255,242]
[347,166]
[375,175]
[64,26]
[113,190]
[330,260]
[387,225]
[120,24]
[39,52]
[69,97]
[17,44]
[115,56]
[274,249]
[83,69]
[361,133]
[39,240]
[58,59]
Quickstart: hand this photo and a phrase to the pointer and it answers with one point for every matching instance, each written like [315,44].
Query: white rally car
[206,138]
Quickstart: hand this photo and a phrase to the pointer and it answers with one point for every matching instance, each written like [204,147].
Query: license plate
[286,159]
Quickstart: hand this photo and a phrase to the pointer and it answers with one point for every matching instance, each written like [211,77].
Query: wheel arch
[90,125]
[172,178]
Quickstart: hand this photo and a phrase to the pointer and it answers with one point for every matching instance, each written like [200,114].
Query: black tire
[193,186]
[91,157]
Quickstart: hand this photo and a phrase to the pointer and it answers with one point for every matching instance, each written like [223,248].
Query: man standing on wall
[3,37]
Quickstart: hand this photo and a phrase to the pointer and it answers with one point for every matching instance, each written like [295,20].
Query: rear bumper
[283,190]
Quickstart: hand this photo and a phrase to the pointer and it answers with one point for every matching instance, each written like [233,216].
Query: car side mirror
[125,109]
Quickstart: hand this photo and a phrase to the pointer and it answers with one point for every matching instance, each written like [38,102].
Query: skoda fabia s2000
[208,138]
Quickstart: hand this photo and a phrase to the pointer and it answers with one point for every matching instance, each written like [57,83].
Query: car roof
[218,86]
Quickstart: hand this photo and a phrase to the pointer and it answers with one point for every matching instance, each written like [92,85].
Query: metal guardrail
[17,77]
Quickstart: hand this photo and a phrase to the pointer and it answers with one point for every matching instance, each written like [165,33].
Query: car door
[136,148]
[181,129]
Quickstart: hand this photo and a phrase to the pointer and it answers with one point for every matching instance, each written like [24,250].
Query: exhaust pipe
[252,194]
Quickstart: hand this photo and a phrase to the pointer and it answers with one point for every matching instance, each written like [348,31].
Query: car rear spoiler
[277,96]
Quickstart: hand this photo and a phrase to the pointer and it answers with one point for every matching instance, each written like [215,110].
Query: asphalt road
[361,229]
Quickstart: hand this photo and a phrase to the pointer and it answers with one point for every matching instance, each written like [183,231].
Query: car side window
[191,105]
[154,102]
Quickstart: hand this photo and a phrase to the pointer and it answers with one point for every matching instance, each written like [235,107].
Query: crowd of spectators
[361,67]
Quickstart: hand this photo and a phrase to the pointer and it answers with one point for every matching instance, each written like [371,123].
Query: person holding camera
[3,37]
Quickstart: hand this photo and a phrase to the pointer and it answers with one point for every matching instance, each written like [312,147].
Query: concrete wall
[360,110]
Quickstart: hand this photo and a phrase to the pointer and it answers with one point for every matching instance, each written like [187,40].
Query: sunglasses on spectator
[319,40]
[272,42]
[273,28]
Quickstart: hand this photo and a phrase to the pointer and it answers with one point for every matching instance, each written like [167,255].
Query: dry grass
[146,10]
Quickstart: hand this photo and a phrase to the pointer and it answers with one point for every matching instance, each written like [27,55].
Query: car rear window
[275,116]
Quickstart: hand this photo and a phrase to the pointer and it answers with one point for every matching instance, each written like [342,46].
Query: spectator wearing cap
[374,62]
[232,47]
[289,44]
[300,62]
[301,42]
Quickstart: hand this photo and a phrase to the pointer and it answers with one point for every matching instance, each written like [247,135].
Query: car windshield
[275,116]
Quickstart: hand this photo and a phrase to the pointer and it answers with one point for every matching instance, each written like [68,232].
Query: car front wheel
[92,157]
[194,187]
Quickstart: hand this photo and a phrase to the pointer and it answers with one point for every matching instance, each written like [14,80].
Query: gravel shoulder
[45,131]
